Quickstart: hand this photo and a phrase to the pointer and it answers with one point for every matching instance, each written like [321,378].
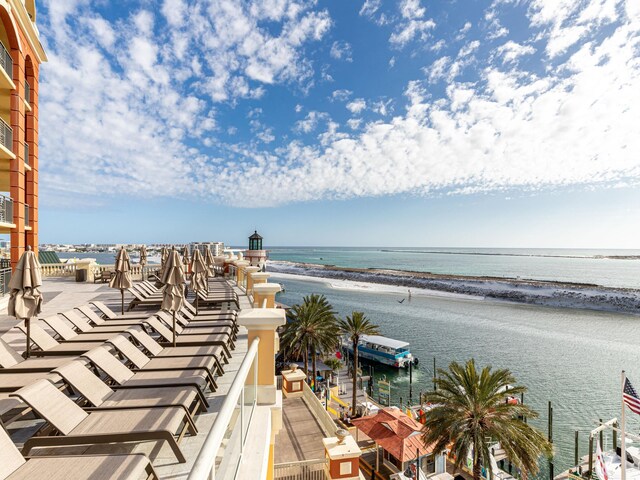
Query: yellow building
[21,54]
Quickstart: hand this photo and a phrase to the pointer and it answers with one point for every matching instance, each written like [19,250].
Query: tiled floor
[62,294]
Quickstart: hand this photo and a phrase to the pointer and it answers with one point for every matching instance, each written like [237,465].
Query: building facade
[21,54]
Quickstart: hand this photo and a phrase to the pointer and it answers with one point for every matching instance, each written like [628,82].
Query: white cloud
[310,123]
[511,51]
[413,24]
[341,51]
[357,105]
[370,7]
[341,95]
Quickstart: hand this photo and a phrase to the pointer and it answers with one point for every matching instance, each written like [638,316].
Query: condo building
[21,54]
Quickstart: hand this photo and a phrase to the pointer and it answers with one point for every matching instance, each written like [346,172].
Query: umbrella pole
[197,302]
[28,322]
[122,295]
[174,328]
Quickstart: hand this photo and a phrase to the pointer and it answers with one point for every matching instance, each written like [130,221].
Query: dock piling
[601,437]
[615,436]
[575,449]
[434,374]
[590,456]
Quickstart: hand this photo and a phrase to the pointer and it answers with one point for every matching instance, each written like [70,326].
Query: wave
[556,294]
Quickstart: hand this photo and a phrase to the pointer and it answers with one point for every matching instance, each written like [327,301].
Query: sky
[504,123]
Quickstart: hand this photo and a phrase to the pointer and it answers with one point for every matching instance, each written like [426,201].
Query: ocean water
[601,267]
[101,258]
[572,358]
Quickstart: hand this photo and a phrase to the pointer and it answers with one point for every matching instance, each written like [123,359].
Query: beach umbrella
[208,261]
[164,254]
[185,258]
[199,274]
[143,259]
[122,279]
[173,290]
[25,300]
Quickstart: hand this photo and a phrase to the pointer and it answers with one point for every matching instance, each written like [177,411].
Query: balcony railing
[6,209]
[6,135]
[5,278]
[26,215]
[223,448]
[27,92]
[26,153]
[6,62]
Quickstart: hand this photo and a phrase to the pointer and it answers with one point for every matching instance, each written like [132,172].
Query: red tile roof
[394,431]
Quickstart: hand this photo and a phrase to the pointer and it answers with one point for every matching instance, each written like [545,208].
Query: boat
[388,351]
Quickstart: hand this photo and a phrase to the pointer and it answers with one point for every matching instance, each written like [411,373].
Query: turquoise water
[581,266]
[571,357]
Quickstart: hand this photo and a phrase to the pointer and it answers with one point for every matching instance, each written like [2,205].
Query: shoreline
[513,290]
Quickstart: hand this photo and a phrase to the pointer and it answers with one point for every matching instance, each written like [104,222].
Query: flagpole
[623,446]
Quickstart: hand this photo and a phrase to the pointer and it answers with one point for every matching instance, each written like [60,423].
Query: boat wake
[534,292]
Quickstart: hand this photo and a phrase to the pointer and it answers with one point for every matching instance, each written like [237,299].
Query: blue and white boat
[387,351]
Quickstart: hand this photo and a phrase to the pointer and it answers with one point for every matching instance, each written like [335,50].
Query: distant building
[21,54]
[217,248]
[255,254]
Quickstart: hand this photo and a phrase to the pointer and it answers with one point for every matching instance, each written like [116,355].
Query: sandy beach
[535,292]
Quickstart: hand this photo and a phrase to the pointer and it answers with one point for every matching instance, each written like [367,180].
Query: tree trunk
[306,362]
[313,367]
[477,470]
[355,378]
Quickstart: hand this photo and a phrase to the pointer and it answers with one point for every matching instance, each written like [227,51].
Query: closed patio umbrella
[173,290]
[164,254]
[199,274]
[143,260]
[122,279]
[186,260]
[25,299]
[208,261]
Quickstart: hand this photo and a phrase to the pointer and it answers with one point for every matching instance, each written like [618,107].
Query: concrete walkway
[301,435]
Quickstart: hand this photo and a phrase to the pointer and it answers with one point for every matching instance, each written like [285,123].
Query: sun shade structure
[26,300]
[122,279]
[199,276]
[395,432]
[173,290]
[164,254]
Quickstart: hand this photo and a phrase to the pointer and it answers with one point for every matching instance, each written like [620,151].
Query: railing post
[240,265]
[263,323]
[265,291]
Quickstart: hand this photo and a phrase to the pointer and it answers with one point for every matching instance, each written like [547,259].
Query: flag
[601,469]
[630,397]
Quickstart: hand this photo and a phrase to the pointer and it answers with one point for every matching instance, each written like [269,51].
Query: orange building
[21,54]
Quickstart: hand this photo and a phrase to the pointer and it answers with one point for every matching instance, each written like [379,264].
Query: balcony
[27,224]
[27,96]
[6,214]
[6,69]
[27,165]
[6,141]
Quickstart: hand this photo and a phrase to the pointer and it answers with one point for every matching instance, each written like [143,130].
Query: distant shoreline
[526,291]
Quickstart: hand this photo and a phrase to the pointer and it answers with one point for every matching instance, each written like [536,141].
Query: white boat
[387,351]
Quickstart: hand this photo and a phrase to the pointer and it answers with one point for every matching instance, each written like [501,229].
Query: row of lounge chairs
[220,295]
[108,378]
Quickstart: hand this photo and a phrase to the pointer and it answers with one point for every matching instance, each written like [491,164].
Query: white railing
[318,410]
[58,269]
[222,449]
[304,470]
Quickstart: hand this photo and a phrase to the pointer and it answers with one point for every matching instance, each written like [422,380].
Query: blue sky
[408,122]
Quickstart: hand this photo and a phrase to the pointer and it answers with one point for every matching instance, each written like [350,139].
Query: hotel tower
[20,57]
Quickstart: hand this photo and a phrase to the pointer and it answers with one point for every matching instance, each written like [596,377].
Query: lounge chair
[102,358]
[68,334]
[111,315]
[89,316]
[13,466]
[10,382]
[78,427]
[155,349]
[99,394]
[48,346]
[142,362]
[12,362]
[190,340]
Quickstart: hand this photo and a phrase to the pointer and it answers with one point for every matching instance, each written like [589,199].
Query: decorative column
[263,323]
[344,456]
[265,291]
[258,278]
[292,382]
[249,271]
[240,266]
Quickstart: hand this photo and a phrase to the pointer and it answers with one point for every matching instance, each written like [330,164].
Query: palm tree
[311,327]
[354,327]
[471,408]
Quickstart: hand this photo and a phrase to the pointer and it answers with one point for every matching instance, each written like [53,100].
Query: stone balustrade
[58,269]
